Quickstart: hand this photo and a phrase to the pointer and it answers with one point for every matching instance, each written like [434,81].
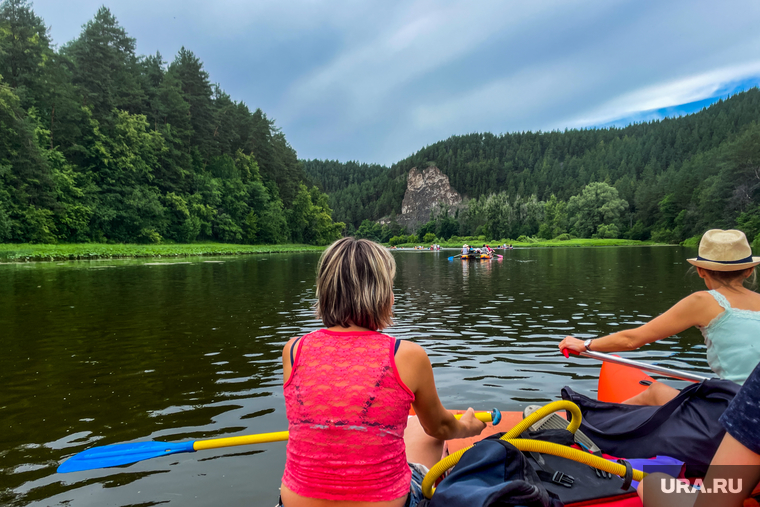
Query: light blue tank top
[733,341]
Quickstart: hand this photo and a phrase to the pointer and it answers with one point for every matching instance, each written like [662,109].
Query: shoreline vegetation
[549,243]
[26,252]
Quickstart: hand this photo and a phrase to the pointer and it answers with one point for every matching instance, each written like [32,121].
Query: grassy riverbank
[579,242]
[11,252]
[89,251]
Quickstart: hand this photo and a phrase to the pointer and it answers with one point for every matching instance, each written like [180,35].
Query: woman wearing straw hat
[728,314]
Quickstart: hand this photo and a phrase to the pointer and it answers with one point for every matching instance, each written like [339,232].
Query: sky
[375,81]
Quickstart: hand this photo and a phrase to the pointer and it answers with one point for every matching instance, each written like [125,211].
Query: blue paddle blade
[121,454]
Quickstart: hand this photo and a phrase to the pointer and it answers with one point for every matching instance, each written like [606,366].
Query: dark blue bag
[493,473]
[686,428]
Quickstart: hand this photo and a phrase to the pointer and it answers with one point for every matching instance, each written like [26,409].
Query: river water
[105,352]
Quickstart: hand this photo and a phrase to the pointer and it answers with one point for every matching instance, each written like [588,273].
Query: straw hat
[724,251]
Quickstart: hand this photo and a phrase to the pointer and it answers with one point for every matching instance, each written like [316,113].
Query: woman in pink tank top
[348,390]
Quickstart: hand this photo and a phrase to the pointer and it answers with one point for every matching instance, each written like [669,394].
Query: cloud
[419,40]
[667,94]
[519,95]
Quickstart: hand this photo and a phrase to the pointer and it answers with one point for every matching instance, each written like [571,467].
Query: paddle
[677,374]
[123,454]
[457,256]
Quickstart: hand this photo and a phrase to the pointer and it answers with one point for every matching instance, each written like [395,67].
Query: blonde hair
[355,284]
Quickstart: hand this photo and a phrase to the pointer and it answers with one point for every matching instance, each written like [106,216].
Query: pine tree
[24,46]
[187,71]
[106,70]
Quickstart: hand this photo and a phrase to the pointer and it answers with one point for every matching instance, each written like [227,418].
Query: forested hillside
[100,144]
[357,191]
[668,180]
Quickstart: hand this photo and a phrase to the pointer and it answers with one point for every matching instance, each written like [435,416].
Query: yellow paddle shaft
[261,438]
[481,416]
[277,436]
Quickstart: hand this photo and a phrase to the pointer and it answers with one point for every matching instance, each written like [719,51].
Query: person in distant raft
[348,389]
[728,314]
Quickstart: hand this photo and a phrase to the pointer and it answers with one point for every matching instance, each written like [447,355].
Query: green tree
[28,189]
[309,218]
[38,75]
[749,222]
[187,76]
[598,204]
[397,240]
[123,162]
[372,231]
[607,231]
[106,69]
[24,48]
[555,218]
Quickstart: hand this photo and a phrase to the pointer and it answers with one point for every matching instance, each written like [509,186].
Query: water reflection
[106,352]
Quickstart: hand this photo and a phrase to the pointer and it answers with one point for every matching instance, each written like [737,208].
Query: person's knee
[649,396]
[421,447]
[661,393]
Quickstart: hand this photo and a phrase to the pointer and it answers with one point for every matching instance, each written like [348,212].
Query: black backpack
[495,473]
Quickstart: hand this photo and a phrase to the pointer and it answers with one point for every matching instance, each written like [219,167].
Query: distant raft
[476,257]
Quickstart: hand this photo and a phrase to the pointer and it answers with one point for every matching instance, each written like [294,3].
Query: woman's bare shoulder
[413,365]
[409,348]
[411,353]
[699,299]
[698,302]
[700,296]
[289,343]
[697,309]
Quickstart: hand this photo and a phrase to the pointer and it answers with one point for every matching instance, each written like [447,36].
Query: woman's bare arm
[416,372]
[697,309]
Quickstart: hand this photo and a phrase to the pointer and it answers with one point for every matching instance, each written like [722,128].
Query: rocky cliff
[425,188]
